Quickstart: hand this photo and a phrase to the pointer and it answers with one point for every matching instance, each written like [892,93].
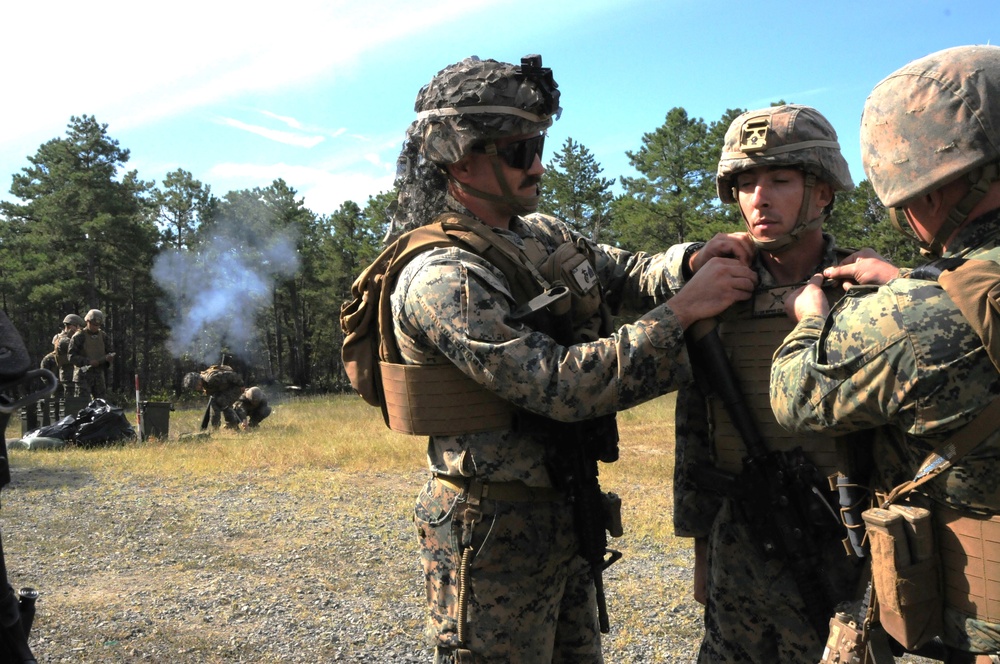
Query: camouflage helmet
[73,319]
[192,381]
[791,135]
[477,100]
[933,120]
[465,105]
[95,315]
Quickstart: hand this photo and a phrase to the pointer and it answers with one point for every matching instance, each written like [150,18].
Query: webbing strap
[951,450]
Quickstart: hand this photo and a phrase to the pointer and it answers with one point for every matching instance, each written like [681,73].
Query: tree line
[256,279]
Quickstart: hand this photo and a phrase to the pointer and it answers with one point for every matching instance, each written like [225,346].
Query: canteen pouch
[906,573]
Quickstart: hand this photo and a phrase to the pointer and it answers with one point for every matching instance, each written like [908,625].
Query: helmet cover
[791,135]
[932,121]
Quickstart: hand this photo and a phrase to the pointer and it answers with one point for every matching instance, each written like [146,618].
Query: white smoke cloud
[215,293]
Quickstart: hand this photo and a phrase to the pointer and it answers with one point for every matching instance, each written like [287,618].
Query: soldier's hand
[724,245]
[718,285]
[808,300]
[862,267]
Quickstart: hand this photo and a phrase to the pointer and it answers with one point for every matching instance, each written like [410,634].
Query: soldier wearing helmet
[60,353]
[483,351]
[90,353]
[782,165]
[252,407]
[225,387]
[899,354]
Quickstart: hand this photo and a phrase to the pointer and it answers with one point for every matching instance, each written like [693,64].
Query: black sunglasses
[519,154]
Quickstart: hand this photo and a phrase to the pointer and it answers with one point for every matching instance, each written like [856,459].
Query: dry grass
[323,492]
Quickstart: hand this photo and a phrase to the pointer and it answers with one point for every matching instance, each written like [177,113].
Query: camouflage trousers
[530,596]
[90,384]
[754,611]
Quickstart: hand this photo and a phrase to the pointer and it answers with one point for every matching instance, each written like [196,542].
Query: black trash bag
[64,429]
[100,423]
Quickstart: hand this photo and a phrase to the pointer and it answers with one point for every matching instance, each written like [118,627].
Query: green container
[156,419]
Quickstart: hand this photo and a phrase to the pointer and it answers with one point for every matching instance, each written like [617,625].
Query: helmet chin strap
[518,204]
[802,225]
[981,179]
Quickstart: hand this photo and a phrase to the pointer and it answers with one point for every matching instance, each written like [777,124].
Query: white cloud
[141,62]
[286,137]
[323,190]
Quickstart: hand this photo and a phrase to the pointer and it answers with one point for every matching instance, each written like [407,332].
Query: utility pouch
[845,645]
[906,573]
[612,505]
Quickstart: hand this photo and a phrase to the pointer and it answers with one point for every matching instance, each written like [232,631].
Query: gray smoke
[216,291]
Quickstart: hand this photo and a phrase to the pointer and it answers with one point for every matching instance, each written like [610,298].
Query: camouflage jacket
[902,358]
[695,508]
[451,305]
[221,382]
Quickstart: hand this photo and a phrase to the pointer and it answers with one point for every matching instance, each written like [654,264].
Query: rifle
[595,513]
[776,491]
[573,461]
[208,413]
[19,387]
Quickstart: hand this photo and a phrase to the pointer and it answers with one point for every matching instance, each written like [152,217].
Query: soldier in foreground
[782,166]
[901,356]
[498,343]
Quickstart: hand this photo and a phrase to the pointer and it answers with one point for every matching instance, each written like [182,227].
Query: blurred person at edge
[897,354]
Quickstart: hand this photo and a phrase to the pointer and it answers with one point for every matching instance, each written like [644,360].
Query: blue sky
[319,92]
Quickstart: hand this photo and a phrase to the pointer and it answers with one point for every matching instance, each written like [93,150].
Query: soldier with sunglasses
[497,347]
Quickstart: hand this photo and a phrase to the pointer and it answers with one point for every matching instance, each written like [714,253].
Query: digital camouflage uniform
[901,357]
[528,584]
[755,611]
[530,596]
[251,407]
[225,386]
[61,345]
[84,347]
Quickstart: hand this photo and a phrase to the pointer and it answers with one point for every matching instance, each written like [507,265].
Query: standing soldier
[61,344]
[900,356]
[90,352]
[782,166]
[500,341]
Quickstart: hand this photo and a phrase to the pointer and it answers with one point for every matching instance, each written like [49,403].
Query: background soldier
[224,386]
[902,357]
[505,578]
[90,352]
[61,344]
[251,408]
[781,165]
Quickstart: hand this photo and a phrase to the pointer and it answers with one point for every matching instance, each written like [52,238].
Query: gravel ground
[251,569]
[318,568]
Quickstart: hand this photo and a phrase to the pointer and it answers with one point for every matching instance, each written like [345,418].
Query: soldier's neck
[798,262]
